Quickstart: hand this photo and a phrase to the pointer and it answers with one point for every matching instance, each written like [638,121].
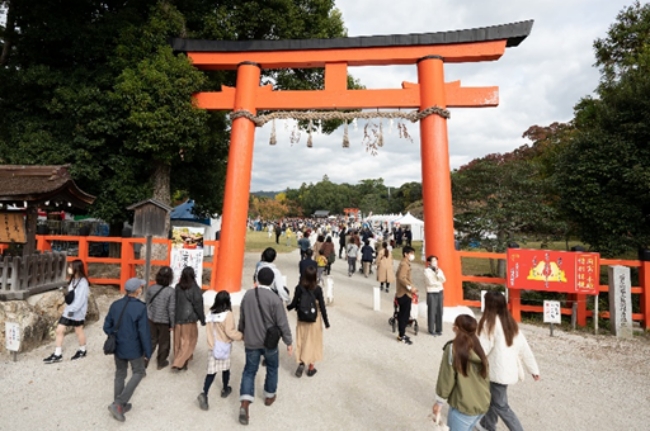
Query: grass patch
[258,241]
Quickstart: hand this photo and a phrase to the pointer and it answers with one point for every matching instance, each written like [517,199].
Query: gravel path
[367,380]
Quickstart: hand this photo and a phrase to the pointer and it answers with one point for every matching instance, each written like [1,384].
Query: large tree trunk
[10,28]
[160,179]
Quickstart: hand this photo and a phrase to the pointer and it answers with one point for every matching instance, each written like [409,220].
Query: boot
[243,412]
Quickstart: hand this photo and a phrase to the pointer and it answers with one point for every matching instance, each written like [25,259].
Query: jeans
[123,394]
[404,313]
[247,388]
[457,421]
[499,408]
[352,265]
[434,312]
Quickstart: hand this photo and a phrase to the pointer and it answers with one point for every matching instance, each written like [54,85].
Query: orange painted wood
[482,255]
[436,180]
[514,301]
[378,56]
[490,280]
[341,98]
[644,281]
[238,181]
[336,77]
[630,263]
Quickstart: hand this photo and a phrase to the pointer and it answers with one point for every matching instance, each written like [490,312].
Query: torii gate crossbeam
[428,51]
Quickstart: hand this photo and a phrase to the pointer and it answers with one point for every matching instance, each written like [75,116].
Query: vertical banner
[187,250]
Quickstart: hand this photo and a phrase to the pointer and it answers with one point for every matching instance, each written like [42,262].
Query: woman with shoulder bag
[509,354]
[161,306]
[189,310]
[463,377]
[74,314]
[221,332]
[309,334]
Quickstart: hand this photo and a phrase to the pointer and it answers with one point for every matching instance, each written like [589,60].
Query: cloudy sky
[539,82]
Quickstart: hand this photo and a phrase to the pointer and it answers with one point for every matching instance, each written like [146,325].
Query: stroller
[413,318]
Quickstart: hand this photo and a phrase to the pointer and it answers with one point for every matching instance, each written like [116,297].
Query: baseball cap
[133,284]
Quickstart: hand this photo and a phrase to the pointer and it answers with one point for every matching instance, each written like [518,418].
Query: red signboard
[553,271]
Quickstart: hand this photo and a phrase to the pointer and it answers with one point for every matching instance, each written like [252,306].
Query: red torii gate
[428,51]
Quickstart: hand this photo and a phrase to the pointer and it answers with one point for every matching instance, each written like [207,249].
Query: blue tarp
[184,212]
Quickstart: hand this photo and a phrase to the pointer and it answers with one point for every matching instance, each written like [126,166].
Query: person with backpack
[307,300]
[161,306]
[127,319]
[221,332]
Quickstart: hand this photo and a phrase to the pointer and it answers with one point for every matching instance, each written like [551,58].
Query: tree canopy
[95,84]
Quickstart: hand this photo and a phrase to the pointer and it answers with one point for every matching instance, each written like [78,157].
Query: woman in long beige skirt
[309,330]
[189,310]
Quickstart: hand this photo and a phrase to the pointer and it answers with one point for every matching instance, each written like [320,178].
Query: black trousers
[160,337]
[404,313]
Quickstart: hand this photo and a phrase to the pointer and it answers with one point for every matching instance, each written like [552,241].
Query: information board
[553,271]
[12,227]
[552,312]
[12,336]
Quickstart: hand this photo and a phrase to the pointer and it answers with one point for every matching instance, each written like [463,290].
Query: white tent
[416,225]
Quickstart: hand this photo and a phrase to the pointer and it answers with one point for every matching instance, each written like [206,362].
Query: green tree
[603,174]
[94,84]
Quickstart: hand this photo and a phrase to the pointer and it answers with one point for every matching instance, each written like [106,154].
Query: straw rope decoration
[373,136]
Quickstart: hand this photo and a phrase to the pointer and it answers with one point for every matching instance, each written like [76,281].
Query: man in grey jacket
[253,325]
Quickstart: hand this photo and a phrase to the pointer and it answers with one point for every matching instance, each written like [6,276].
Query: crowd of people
[477,366]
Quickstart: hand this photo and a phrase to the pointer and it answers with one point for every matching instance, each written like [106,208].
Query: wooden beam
[337,98]
[380,56]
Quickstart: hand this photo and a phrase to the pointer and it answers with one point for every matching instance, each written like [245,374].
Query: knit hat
[133,284]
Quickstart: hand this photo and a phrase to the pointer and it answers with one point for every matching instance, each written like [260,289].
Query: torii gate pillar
[436,178]
[238,182]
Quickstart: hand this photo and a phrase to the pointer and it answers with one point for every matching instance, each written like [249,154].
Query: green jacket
[469,395]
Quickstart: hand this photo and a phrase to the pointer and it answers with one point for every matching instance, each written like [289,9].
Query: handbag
[69,297]
[111,340]
[273,333]
[220,350]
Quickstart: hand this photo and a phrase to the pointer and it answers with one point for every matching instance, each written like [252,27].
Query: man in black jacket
[127,318]
[306,262]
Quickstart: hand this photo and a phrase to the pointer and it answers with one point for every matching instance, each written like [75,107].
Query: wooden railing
[23,276]
[127,260]
[514,295]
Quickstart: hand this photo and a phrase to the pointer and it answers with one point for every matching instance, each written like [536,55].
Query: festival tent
[416,225]
[182,216]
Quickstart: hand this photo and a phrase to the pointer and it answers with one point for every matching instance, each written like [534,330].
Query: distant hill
[263,194]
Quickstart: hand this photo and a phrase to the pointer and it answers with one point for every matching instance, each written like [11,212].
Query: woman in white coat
[509,356]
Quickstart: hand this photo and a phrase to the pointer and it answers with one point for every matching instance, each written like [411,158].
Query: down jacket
[507,364]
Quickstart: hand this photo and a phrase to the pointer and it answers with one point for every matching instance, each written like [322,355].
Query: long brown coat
[385,273]
[404,279]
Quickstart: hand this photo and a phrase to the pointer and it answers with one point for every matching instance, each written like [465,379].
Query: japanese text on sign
[552,312]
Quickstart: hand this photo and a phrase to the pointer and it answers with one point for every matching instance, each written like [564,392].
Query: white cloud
[540,81]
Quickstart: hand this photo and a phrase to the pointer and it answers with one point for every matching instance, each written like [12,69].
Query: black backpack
[307,306]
